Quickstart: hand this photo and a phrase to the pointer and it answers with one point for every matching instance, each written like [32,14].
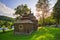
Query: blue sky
[14,3]
[9,5]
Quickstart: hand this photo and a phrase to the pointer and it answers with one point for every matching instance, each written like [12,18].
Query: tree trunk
[43,19]
[3,30]
[57,22]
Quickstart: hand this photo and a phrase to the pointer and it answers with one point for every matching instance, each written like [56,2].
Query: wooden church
[26,24]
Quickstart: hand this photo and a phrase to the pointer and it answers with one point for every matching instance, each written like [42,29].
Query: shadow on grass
[41,34]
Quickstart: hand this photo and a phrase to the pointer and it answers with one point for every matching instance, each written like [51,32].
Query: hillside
[5,18]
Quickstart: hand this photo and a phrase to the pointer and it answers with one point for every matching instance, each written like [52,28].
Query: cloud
[6,11]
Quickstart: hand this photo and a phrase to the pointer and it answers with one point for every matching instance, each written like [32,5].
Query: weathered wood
[26,24]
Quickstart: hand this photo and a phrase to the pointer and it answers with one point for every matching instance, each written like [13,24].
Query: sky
[12,4]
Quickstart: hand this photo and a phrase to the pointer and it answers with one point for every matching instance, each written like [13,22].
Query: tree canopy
[22,9]
[56,11]
[43,5]
[6,22]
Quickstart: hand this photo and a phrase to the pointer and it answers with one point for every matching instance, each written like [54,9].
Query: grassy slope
[40,34]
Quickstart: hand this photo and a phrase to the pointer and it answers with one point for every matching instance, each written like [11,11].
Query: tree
[5,22]
[2,25]
[43,5]
[49,20]
[22,9]
[56,12]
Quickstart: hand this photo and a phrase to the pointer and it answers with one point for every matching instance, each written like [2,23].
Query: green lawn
[43,33]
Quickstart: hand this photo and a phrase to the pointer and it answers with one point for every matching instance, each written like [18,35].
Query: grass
[43,33]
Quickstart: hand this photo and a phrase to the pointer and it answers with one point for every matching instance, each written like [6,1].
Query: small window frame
[20,27]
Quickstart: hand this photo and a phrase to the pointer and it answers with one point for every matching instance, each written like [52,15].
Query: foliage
[43,5]
[40,22]
[48,21]
[56,11]
[22,9]
[6,22]
[43,33]
[1,23]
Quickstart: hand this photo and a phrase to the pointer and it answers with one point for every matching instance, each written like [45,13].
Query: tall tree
[43,5]
[56,11]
